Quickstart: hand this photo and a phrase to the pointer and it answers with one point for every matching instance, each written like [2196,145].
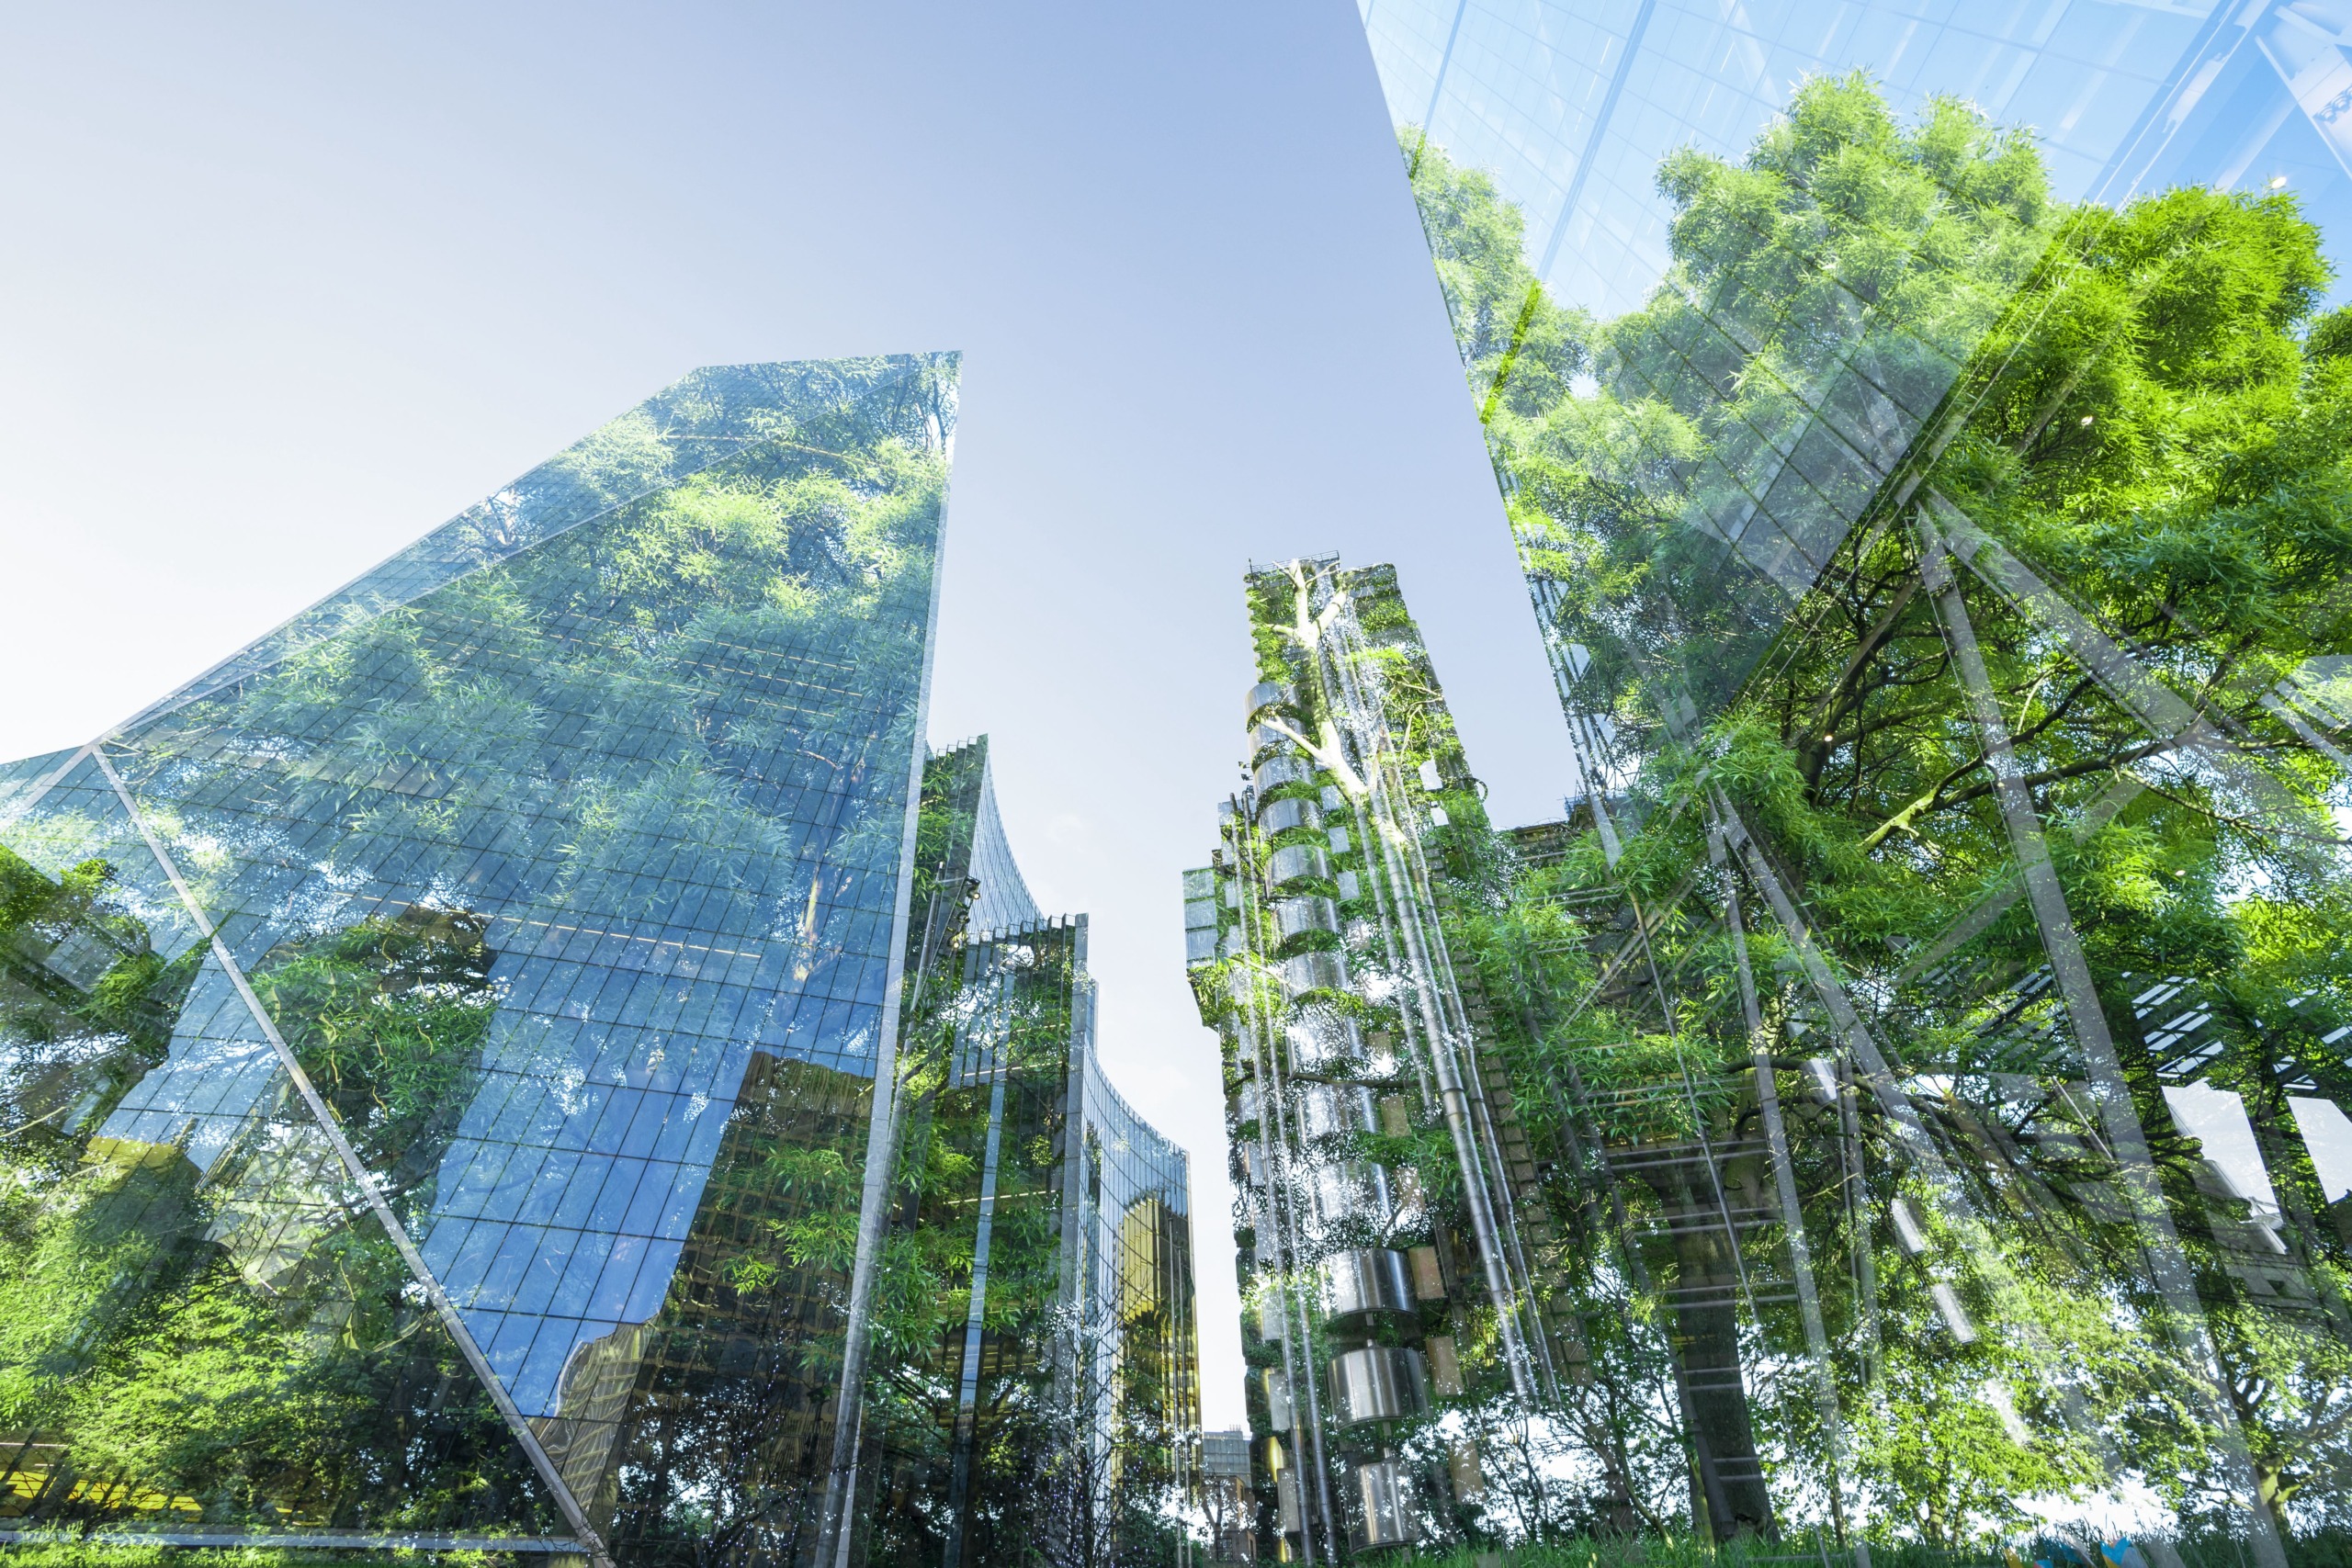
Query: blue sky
[287,287]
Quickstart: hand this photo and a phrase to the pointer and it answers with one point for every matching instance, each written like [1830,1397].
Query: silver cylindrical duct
[1293,863]
[1307,972]
[1275,771]
[1350,1189]
[1290,811]
[1266,695]
[1320,1039]
[1383,1511]
[1367,1280]
[1325,1109]
[1268,738]
[1313,913]
[1380,1382]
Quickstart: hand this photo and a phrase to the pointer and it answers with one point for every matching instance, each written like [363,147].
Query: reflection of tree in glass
[251,1349]
[87,1004]
[685,706]
[1868,323]
[387,1016]
[726,1395]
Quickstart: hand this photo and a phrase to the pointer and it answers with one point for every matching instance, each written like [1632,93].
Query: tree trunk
[1706,1352]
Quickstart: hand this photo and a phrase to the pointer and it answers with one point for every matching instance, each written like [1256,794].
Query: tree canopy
[1884,351]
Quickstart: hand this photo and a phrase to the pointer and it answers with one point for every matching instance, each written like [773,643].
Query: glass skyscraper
[1036,1381]
[453,1055]
[1136,1369]
[1569,106]
[1929,1024]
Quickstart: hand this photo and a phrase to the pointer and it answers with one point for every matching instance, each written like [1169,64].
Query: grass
[100,1554]
[2330,1549]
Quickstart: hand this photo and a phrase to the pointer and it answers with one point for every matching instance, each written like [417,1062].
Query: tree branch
[1930,801]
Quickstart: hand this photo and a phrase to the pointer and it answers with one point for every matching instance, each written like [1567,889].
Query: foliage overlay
[1880,342]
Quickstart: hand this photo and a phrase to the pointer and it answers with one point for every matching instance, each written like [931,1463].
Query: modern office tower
[499,1063]
[1908,419]
[1386,1264]
[441,1041]
[1037,1372]
[1568,105]
[1133,1363]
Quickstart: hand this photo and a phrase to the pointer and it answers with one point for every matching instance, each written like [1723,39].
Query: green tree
[1877,342]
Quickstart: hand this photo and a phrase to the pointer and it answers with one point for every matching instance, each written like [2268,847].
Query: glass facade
[1927,1029]
[438,1046]
[1138,1369]
[1035,1381]
[500,1064]
[1570,107]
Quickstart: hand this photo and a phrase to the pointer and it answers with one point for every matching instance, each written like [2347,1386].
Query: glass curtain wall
[1920,429]
[969,1264]
[1136,1351]
[1034,1378]
[437,1047]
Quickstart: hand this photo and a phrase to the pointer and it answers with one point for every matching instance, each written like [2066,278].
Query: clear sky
[285,287]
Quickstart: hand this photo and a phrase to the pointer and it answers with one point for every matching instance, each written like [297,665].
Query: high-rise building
[1036,1371]
[1389,1258]
[1930,1022]
[1568,105]
[1134,1360]
[489,1066]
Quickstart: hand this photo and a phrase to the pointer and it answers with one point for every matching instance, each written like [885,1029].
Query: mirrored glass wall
[1921,430]
[438,1046]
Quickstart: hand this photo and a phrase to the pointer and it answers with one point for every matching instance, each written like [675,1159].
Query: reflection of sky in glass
[1140,1162]
[2327,1132]
[1572,104]
[2216,1118]
[686,845]
[1003,901]
[1137,1250]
